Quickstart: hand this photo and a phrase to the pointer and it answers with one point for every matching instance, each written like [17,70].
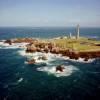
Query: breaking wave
[50,57]
[81,60]
[20,80]
[13,46]
[52,70]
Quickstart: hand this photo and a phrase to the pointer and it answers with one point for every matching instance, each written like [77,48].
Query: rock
[60,68]
[43,58]
[38,49]
[46,50]
[55,50]
[50,46]
[31,48]
[32,61]
[8,41]
[86,59]
[26,40]
[92,54]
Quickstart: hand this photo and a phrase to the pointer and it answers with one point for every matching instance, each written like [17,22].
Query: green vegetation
[82,44]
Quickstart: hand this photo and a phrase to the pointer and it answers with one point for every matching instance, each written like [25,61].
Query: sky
[38,13]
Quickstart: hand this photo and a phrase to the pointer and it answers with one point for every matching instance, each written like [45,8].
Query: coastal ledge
[72,48]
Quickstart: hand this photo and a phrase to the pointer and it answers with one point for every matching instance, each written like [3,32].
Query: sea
[21,81]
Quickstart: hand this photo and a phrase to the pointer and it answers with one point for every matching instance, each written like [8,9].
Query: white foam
[36,55]
[82,60]
[13,46]
[15,83]
[52,70]
[1,43]
[23,53]
[4,44]
[51,57]
[40,61]
[20,80]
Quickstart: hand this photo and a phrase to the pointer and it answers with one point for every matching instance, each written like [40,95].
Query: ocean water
[46,32]
[20,81]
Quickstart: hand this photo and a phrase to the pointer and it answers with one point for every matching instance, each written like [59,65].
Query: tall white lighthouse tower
[77,31]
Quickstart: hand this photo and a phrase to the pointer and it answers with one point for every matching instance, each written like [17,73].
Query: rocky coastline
[36,45]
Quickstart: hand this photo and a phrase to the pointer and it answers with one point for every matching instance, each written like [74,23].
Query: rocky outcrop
[42,58]
[8,41]
[60,68]
[35,45]
[55,50]
[32,61]
[21,40]
[31,48]
[92,54]
[85,55]
[26,40]
[72,54]
[39,47]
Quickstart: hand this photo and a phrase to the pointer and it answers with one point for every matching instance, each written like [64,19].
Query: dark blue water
[46,32]
[83,84]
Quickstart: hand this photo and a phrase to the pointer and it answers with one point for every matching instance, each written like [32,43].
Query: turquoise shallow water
[19,81]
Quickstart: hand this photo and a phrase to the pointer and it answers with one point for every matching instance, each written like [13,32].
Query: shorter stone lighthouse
[77,31]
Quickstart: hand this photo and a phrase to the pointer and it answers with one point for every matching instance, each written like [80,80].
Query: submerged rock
[32,61]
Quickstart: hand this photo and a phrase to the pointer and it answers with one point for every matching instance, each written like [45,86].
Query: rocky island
[74,47]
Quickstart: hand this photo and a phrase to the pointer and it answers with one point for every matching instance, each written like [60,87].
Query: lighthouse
[77,32]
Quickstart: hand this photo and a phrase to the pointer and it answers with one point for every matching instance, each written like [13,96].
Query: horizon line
[52,26]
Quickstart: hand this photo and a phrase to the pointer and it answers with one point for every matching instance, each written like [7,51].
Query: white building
[77,32]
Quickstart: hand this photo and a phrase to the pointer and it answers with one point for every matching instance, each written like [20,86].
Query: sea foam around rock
[13,46]
[52,70]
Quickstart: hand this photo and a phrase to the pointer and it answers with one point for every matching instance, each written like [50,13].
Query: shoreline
[45,46]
